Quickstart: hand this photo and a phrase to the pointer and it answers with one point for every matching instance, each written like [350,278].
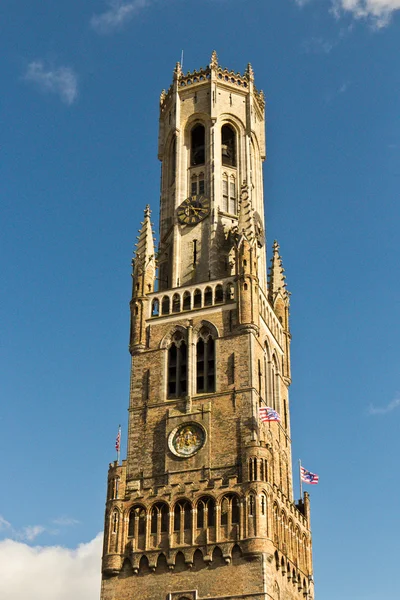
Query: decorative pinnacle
[214,60]
[144,254]
[277,278]
[250,72]
[177,70]
[162,96]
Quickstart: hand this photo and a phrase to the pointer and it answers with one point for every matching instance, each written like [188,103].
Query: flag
[118,440]
[308,477]
[268,414]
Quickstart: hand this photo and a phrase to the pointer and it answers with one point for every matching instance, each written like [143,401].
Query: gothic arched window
[159,518]
[137,521]
[230,512]
[228,146]
[205,362]
[205,512]
[177,367]
[197,145]
[182,516]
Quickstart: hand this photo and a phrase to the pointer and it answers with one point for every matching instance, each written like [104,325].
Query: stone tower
[203,507]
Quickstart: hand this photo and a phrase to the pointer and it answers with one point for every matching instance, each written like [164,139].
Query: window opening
[205,513]
[177,367]
[219,294]
[205,363]
[186,301]
[176,303]
[197,299]
[228,148]
[197,155]
[165,305]
[194,252]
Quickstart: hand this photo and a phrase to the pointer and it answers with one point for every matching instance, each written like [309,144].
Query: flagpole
[119,444]
[301,482]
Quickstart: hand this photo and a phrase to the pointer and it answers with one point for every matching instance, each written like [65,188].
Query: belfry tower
[203,507]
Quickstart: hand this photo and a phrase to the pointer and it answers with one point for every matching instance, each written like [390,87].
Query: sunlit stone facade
[203,506]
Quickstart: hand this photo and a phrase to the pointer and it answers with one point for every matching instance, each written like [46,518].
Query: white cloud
[50,573]
[61,80]
[118,14]
[383,410]
[378,11]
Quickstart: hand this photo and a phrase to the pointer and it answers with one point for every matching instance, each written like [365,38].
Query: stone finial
[162,96]
[276,277]
[249,72]
[177,70]
[214,60]
[144,254]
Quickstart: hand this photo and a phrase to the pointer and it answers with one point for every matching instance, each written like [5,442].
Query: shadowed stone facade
[203,507]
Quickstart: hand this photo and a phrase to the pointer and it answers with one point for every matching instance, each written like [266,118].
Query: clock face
[193,210]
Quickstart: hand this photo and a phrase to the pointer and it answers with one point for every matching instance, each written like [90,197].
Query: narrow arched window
[159,518]
[230,511]
[219,294]
[230,292]
[197,147]
[137,522]
[177,367]
[208,296]
[262,470]
[197,299]
[165,305]
[176,303]
[251,505]
[205,512]
[182,516]
[155,308]
[205,363]
[186,301]
[228,146]
[115,521]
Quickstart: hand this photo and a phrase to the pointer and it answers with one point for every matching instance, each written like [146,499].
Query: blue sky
[79,102]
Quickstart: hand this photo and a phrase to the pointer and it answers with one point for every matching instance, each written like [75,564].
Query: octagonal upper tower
[211,141]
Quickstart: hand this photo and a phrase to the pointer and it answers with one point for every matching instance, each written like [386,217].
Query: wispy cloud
[62,81]
[318,45]
[378,12]
[30,532]
[65,521]
[4,524]
[119,13]
[384,410]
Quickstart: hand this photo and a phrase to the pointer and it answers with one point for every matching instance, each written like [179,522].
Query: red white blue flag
[118,440]
[308,477]
[268,414]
